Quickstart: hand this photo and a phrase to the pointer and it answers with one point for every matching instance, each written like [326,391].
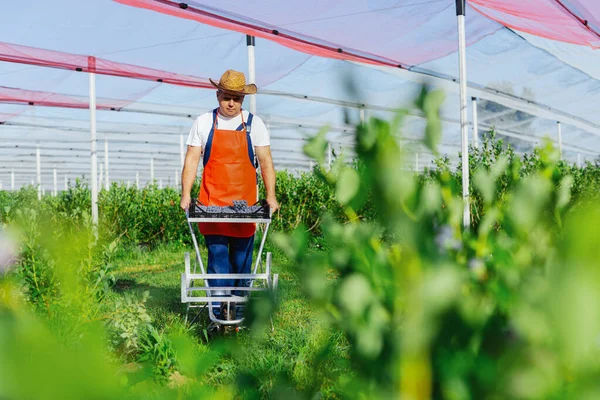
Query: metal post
[38,164]
[250,42]
[559,138]
[55,193]
[160,184]
[460,13]
[106,177]
[328,156]
[100,177]
[417,162]
[362,115]
[152,170]
[181,150]
[12,179]
[137,180]
[93,140]
[475,125]
[66,183]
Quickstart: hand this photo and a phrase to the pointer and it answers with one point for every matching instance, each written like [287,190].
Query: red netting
[32,97]
[563,20]
[398,34]
[55,59]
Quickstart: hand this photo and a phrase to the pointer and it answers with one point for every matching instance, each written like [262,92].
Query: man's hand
[273,204]
[186,199]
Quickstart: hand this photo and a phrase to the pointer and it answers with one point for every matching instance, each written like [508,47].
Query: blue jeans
[229,255]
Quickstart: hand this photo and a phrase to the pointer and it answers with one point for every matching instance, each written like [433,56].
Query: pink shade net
[397,34]
[55,59]
[552,19]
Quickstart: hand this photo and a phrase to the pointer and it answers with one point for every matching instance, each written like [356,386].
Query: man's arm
[263,153]
[190,166]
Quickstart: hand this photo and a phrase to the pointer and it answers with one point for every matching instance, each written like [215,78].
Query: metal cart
[196,291]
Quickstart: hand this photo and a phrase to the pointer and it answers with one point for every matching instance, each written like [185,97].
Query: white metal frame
[217,295]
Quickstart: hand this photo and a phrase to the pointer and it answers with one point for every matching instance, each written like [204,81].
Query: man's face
[229,104]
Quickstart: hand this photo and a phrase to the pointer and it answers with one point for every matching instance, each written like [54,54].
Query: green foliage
[403,302]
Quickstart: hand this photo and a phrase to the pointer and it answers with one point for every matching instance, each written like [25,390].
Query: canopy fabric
[524,83]
[574,21]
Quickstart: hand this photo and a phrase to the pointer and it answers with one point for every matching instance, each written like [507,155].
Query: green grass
[289,358]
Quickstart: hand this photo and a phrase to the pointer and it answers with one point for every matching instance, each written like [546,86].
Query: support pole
[475,125]
[12,179]
[329,156]
[181,150]
[152,170]
[137,180]
[579,163]
[160,184]
[417,162]
[55,193]
[460,13]
[38,165]
[176,178]
[362,115]
[66,183]
[250,42]
[93,140]
[559,138]
[100,177]
[106,177]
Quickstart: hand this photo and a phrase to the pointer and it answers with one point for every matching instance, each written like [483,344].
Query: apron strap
[210,138]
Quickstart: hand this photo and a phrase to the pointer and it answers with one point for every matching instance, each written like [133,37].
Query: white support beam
[460,13]
[55,191]
[93,145]
[250,43]
[475,124]
[152,170]
[38,164]
[106,177]
[559,138]
[181,150]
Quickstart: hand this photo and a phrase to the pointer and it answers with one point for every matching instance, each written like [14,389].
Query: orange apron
[229,174]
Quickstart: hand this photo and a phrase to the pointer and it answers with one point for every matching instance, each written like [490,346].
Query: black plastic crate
[239,210]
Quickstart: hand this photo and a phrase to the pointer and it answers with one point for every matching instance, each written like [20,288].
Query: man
[227,139]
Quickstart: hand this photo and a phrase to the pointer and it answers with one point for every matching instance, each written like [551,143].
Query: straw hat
[234,82]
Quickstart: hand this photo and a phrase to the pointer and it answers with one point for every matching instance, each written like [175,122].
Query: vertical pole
[475,126]
[66,183]
[329,156]
[181,150]
[460,13]
[100,177]
[106,177]
[579,160]
[12,179]
[176,178]
[417,162]
[55,184]
[93,140]
[137,180]
[160,183]
[128,184]
[152,170]
[38,164]
[250,42]
[559,132]
[362,115]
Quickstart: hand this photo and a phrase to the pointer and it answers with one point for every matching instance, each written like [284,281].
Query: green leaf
[317,146]
[347,186]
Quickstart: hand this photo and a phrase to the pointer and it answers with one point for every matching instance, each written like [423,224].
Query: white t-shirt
[201,128]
